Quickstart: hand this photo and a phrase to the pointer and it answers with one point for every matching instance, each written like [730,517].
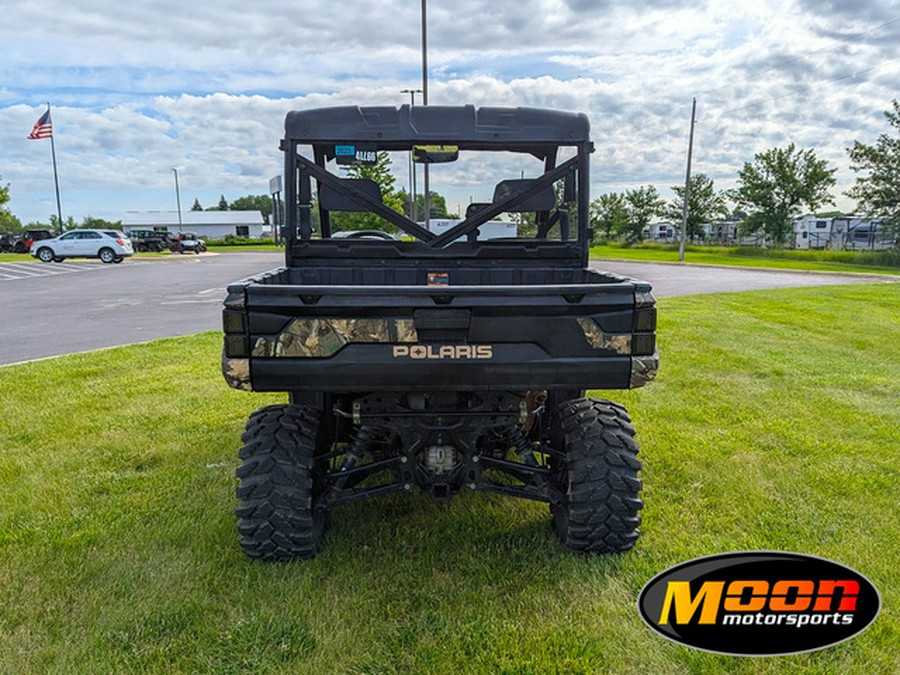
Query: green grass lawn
[774,424]
[16,257]
[819,261]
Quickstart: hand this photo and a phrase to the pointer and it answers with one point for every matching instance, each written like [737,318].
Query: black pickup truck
[441,362]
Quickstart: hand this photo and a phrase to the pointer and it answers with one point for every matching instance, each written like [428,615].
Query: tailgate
[432,338]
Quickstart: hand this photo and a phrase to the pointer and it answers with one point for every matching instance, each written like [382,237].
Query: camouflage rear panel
[237,373]
[643,370]
[323,337]
[598,339]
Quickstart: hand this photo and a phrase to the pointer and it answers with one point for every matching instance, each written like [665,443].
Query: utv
[148,241]
[439,362]
[187,242]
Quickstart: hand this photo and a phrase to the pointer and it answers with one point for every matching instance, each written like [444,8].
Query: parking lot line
[13,271]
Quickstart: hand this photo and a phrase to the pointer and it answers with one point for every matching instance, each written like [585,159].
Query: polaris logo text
[759,603]
[436,352]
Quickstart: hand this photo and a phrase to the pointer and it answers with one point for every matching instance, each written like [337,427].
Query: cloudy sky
[143,86]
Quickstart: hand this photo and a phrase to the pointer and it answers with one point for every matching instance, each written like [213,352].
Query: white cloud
[159,84]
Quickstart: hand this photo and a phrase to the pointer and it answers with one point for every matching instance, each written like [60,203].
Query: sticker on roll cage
[355,154]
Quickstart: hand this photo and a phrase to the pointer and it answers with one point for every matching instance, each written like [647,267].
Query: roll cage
[536,132]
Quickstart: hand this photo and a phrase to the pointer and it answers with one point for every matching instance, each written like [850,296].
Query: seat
[542,201]
[332,199]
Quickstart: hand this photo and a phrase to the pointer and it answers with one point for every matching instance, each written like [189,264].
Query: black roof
[466,125]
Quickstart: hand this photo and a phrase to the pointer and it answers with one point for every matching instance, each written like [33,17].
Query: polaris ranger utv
[438,362]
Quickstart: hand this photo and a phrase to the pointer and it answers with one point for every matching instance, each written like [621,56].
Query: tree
[778,185]
[704,205]
[223,203]
[196,206]
[9,224]
[261,203]
[68,224]
[878,193]
[92,223]
[4,195]
[608,214]
[643,205]
[437,204]
[380,172]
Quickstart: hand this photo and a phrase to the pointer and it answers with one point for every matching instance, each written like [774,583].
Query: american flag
[43,128]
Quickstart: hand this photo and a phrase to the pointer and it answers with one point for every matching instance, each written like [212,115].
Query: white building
[207,224]
[850,233]
[721,232]
[813,232]
[664,232]
[865,234]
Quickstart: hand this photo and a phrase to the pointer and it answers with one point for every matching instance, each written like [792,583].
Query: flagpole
[55,173]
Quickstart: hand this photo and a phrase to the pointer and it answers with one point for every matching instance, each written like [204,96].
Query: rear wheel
[45,254]
[597,476]
[107,255]
[276,518]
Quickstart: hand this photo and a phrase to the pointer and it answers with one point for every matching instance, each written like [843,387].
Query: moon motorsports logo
[759,603]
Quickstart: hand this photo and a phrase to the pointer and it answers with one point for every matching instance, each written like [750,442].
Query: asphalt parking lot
[53,309]
[78,306]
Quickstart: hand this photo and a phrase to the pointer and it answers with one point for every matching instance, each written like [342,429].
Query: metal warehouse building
[207,224]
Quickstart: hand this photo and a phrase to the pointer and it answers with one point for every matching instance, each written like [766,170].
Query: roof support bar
[483,215]
[376,207]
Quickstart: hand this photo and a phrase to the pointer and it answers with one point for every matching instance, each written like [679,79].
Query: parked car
[29,237]
[187,242]
[111,246]
[365,234]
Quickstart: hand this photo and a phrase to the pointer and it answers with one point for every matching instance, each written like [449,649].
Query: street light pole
[178,199]
[427,199]
[424,54]
[413,206]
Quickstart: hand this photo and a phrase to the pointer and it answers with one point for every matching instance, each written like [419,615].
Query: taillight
[120,242]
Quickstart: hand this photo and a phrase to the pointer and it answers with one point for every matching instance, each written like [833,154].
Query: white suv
[111,246]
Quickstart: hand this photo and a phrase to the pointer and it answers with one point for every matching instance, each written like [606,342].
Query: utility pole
[425,103]
[413,207]
[178,199]
[687,182]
